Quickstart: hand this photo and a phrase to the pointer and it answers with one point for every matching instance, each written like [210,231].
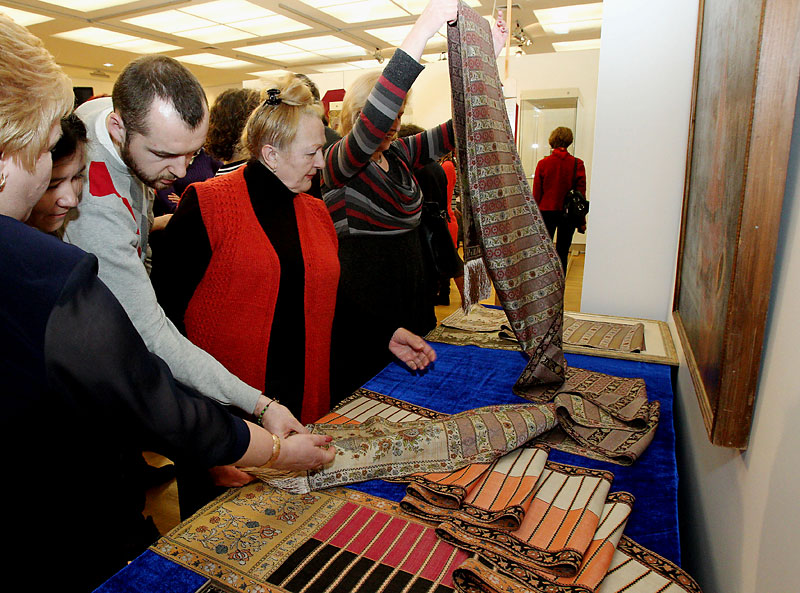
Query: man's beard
[129,161]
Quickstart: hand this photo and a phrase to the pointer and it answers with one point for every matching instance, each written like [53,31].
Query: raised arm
[348,156]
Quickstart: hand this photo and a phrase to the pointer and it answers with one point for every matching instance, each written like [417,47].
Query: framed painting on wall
[747,67]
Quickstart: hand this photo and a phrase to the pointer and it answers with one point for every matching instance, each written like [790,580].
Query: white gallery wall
[641,133]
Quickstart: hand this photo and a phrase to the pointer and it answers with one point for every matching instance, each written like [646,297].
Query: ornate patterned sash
[503,227]
[537,525]
[598,416]
[463,328]
[380,448]
[622,337]
[260,539]
[633,569]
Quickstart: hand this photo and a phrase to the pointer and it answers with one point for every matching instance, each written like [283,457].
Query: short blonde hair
[277,124]
[34,94]
[354,100]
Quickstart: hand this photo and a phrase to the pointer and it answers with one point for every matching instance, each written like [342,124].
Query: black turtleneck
[186,252]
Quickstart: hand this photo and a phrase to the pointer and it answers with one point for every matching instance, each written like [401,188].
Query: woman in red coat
[555,176]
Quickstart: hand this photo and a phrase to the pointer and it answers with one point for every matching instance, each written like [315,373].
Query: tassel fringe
[477,285]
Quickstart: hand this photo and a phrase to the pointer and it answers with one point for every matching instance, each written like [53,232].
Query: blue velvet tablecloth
[466,377]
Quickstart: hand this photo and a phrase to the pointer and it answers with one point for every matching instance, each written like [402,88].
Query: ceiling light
[88,5]
[391,35]
[324,3]
[227,11]
[268,50]
[214,61]
[341,67]
[269,73]
[417,6]
[396,35]
[138,45]
[310,48]
[366,10]
[23,17]
[113,40]
[95,36]
[168,21]
[216,34]
[571,27]
[221,21]
[297,57]
[108,64]
[322,42]
[270,25]
[576,45]
[566,19]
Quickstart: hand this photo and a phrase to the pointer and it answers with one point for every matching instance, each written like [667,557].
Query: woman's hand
[415,352]
[229,476]
[436,14]
[305,451]
[279,419]
[499,34]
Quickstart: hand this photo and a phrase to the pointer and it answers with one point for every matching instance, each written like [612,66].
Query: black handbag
[437,242]
[576,206]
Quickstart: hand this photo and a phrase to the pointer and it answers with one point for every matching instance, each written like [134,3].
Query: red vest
[230,314]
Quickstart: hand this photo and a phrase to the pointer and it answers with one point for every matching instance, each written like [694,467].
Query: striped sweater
[361,197]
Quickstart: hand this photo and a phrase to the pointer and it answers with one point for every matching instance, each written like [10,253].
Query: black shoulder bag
[576,206]
[437,242]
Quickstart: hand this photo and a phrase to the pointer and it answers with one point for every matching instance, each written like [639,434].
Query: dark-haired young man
[142,139]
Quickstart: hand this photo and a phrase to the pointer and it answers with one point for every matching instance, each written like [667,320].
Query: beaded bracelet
[264,410]
[276,450]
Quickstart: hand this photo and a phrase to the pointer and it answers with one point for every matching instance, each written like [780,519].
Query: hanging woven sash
[504,234]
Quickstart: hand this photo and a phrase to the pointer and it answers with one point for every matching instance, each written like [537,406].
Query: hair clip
[273,97]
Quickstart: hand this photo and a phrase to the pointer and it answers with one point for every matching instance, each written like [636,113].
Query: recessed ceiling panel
[214,61]
[112,39]
[366,10]
[221,21]
[270,25]
[576,45]
[565,19]
[302,50]
[88,5]
[339,67]
[23,17]
[169,21]
[216,34]
[227,11]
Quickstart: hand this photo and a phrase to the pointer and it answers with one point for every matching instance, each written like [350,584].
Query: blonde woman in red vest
[249,267]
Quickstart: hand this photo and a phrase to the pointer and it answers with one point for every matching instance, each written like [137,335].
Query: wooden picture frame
[747,67]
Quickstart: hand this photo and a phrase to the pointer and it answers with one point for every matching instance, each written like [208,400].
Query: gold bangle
[276,450]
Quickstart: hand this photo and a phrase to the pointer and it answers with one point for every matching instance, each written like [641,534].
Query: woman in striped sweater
[375,204]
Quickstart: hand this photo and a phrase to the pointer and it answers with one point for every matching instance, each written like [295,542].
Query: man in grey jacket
[140,140]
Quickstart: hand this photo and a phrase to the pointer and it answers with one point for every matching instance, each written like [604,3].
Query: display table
[466,377]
